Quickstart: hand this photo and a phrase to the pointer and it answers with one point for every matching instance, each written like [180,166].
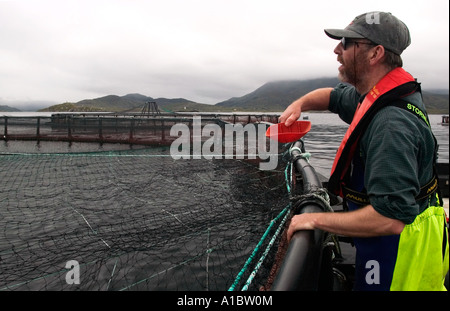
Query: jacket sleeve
[343,101]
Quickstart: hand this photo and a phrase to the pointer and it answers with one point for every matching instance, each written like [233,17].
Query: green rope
[264,255]
[288,178]
[255,251]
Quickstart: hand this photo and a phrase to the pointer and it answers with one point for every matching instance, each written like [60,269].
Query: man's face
[354,61]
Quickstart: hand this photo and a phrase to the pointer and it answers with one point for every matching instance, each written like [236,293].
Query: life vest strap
[362,198]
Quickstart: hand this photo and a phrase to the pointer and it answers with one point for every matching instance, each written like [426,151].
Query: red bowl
[284,134]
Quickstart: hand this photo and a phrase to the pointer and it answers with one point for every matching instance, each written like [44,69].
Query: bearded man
[384,167]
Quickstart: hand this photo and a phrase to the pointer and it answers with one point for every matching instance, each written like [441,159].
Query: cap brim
[338,34]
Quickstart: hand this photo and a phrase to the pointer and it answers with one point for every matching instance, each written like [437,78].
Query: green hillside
[270,97]
[131,103]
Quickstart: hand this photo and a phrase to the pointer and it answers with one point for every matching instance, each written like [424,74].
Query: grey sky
[202,50]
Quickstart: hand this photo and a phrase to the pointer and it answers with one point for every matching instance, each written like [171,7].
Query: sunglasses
[346,42]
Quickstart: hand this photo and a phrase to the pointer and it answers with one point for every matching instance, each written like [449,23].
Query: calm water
[322,141]
[328,129]
[140,220]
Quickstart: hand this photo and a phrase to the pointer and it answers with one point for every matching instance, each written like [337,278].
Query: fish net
[134,219]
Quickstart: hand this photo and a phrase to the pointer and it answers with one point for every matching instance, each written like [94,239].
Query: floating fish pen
[139,219]
[113,128]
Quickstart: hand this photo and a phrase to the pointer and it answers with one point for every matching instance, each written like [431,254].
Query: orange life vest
[393,86]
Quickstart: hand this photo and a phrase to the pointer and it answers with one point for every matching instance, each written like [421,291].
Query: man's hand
[315,100]
[363,222]
[300,222]
[291,114]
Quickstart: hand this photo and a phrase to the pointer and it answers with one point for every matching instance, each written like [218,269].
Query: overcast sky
[202,50]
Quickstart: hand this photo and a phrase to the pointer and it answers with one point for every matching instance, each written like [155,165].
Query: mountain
[436,101]
[23,105]
[116,103]
[130,103]
[270,97]
[5,108]
[276,96]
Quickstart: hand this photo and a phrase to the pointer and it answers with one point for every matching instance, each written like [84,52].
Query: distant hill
[270,97]
[276,96]
[8,109]
[436,102]
[130,103]
[23,105]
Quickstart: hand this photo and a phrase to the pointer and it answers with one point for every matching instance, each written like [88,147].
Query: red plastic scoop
[284,134]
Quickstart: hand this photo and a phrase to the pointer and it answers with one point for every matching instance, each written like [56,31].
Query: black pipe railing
[306,265]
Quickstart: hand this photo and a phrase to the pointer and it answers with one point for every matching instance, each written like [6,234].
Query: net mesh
[132,220]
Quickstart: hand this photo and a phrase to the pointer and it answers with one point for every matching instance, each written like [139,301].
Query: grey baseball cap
[379,27]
